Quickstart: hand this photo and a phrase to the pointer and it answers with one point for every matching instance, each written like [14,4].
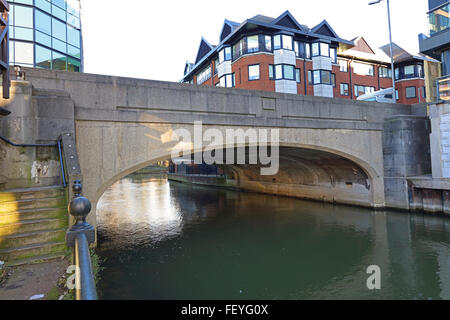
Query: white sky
[152,39]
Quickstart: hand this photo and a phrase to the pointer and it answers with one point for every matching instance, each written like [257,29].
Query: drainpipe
[304,77]
[351,83]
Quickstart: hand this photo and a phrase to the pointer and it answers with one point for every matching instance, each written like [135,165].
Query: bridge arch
[306,171]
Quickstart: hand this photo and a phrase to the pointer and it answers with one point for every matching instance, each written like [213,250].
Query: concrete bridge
[333,150]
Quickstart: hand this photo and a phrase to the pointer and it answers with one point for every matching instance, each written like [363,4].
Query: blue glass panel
[59,61]
[73,65]
[59,45]
[73,7]
[23,16]
[44,5]
[59,29]
[60,3]
[73,37]
[43,58]
[23,33]
[43,38]
[74,52]
[43,22]
[74,21]
[59,13]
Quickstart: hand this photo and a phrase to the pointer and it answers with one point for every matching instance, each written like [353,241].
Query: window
[73,65]
[409,71]
[420,73]
[287,42]
[277,42]
[271,77]
[324,49]
[344,89]
[204,75]
[59,13]
[333,55]
[297,75]
[284,71]
[282,42]
[321,77]
[43,4]
[343,66]
[315,49]
[225,54]
[363,69]
[397,73]
[268,43]
[43,58]
[24,53]
[43,22]
[73,36]
[253,72]
[396,94]
[279,71]
[360,90]
[410,92]
[439,19]
[252,44]
[59,29]
[320,49]
[310,78]
[227,80]
[23,16]
[333,80]
[385,72]
[424,92]
[59,61]
[302,49]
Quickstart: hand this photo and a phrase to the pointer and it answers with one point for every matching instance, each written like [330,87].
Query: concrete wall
[406,150]
[37,117]
[440,140]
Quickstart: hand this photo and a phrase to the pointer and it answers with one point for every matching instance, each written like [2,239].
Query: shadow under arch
[355,167]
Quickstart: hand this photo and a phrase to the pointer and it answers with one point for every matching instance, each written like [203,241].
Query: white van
[383,96]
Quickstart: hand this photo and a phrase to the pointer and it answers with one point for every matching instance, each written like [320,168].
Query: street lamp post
[394,96]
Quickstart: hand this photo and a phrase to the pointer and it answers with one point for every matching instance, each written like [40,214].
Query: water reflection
[175,241]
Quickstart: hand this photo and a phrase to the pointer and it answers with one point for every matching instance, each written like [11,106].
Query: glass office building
[46,34]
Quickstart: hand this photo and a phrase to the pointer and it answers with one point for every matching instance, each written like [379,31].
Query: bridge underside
[307,174]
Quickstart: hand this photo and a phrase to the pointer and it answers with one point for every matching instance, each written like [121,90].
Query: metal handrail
[86,289]
[79,237]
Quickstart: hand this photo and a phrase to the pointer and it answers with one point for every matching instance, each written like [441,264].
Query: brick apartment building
[281,55]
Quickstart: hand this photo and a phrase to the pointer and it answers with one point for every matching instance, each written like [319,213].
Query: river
[166,240]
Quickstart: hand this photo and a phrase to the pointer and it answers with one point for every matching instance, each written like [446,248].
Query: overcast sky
[152,39]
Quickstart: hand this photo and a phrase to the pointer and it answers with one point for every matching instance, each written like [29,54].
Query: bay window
[282,42]
[320,49]
[227,81]
[321,77]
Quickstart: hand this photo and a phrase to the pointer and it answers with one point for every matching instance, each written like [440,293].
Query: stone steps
[28,238]
[32,214]
[36,259]
[32,250]
[33,224]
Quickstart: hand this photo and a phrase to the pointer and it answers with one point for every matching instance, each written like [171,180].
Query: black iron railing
[79,237]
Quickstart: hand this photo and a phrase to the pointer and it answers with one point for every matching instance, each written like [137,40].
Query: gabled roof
[362,45]
[188,67]
[324,29]
[228,28]
[287,20]
[203,49]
